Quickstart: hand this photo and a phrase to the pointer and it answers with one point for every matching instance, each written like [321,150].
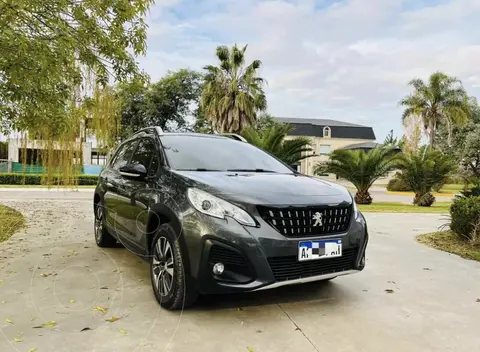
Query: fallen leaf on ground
[8,320]
[16,339]
[44,275]
[3,302]
[392,282]
[427,269]
[113,319]
[50,323]
[132,305]
[478,300]
[104,288]
[85,329]
[1,281]
[123,331]
[32,350]
[389,290]
[250,349]
[72,251]
[33,318]
[72,301]
[10,272]
[101,309]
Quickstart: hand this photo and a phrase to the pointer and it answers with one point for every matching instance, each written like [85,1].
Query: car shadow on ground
[318,292]
[136,271]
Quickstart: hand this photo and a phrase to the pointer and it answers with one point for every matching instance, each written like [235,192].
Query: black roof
[339,129]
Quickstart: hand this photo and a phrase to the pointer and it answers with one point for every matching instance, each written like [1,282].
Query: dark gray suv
[214,214]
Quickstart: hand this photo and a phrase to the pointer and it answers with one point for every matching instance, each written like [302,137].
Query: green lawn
[449,242]
[453,188]
[392,207]
[10,222]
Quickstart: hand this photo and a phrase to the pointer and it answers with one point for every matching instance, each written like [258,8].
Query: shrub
[465,218]
[397,185]
[36,179]
[423,170]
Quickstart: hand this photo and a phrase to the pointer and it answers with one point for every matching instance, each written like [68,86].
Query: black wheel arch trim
[166,213]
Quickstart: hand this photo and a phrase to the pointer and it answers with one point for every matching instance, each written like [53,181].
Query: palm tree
[271,138]
[360,168]
[233,93]
[424,170]
[441,100]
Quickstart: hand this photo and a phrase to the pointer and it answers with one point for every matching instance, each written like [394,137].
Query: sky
[346,60]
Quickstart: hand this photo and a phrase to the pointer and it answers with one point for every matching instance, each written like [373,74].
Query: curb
[412,194]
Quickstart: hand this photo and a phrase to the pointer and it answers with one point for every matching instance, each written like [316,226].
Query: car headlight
[208,204]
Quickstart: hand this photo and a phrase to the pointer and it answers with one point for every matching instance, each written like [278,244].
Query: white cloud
[348,60]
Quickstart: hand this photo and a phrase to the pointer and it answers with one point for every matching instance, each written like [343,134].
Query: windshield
[204,153]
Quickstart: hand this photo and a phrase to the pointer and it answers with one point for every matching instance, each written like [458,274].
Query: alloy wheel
[162,266]
[98,222]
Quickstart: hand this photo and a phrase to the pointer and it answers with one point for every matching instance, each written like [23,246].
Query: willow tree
[233,92]
[56,58]
[441,100]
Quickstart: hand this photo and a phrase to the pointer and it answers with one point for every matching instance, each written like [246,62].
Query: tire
[102,237]
[167,271]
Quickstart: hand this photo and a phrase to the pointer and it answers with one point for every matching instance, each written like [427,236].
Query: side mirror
[134,171]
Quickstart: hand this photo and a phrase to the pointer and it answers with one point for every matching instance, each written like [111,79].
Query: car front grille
[307,221]
[237,267]
[289,268]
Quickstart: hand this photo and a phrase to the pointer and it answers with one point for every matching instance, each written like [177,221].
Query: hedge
[465,214]
[397,185]
[36,179]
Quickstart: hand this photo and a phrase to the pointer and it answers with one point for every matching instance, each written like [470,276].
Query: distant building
[327,136]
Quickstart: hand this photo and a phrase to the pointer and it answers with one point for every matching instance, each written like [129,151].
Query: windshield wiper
[198,169]
[252,170]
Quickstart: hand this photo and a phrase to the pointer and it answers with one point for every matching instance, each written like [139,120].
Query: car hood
[268,188]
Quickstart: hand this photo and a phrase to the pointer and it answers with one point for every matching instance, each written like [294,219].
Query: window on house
[324,149]
[327,132]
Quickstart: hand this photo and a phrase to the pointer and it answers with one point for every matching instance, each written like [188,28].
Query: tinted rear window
[219,154]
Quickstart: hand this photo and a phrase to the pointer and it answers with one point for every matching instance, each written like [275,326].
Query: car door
[117,189]
[142,190]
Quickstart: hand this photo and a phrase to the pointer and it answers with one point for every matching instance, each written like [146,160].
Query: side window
[124,154]
[146,155]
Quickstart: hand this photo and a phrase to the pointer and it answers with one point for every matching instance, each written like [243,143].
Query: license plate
[313,250]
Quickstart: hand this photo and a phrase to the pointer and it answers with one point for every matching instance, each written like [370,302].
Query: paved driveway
[54,272]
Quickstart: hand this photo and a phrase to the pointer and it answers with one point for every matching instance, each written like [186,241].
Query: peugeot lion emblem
[318,217]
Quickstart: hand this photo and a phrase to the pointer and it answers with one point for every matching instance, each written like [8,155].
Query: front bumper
[258,258]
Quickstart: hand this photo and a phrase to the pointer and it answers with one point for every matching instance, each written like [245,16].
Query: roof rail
[156,129]
[234,135]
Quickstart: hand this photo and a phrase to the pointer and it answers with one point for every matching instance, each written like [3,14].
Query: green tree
[56,59]
[168,103]
[423,170]
[392,141]
[441,99]
[49,50]
[465,146]
[272,139]
[233,92]
[135,107]
[174,98]
[360,168]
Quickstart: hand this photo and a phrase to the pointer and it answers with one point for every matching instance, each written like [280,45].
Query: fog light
[218,269]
